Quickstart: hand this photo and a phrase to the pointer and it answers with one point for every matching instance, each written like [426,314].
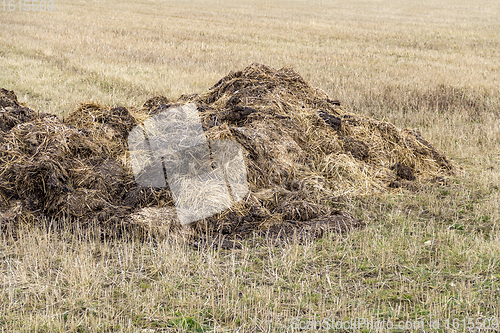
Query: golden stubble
[426,66]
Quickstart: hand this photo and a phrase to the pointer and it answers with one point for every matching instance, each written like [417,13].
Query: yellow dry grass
[429,66]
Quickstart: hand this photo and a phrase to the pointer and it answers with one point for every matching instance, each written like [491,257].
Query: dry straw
[301,150]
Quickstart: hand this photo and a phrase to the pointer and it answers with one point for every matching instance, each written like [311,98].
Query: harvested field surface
[301,150]
[370,135]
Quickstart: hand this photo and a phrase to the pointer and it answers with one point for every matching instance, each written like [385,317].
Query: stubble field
[425,255]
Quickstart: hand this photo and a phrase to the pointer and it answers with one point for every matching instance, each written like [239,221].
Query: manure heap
[301,149]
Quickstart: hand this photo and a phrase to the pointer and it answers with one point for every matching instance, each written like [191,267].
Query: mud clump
[12,112]
[301,150]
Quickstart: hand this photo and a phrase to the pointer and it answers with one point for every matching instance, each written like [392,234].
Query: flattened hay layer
[301,150]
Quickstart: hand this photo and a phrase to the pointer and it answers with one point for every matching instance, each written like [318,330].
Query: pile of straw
[301,149]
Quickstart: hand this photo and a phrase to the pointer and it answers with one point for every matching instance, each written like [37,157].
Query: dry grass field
[423,256]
